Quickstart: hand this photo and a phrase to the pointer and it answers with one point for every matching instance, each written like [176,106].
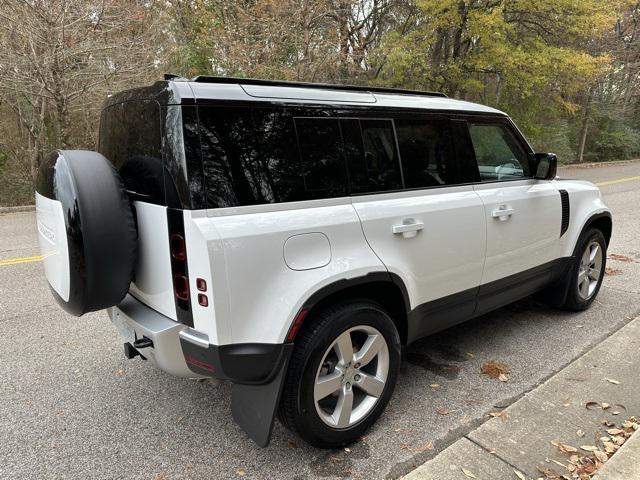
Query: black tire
[87,227]
[574,300]
[297,406]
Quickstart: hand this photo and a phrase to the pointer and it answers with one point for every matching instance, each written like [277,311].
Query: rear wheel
[585,278]
[342,374]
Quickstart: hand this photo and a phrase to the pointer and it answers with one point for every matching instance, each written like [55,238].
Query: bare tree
[60,58]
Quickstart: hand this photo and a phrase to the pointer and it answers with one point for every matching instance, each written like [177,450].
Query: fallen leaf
[589,448]
[346,449]
[435,385]
[494,369]
[611,380]
[501,415]
[468,473]
[621,258]
[580,433]
[601,456]
[425,447]
[292,444]
[592,405]
[443,411]
[502,377]
[240,472]
[615,431]
[612,271]
[470,355]
[567,448]
[615,412]
[405,446]
[604,405]
[520,475]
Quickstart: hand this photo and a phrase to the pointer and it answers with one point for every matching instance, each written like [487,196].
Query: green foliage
[612,139]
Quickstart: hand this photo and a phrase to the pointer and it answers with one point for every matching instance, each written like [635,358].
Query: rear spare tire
[86,230]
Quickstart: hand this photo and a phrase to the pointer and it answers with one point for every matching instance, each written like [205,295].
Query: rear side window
[130,137]
[380,155]
[428,158]
[249,157]
[322,163]
[270,155]
[498,153]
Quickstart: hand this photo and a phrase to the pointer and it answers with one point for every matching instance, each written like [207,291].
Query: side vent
[564,199]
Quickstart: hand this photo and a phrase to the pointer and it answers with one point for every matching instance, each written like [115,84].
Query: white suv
[292,238]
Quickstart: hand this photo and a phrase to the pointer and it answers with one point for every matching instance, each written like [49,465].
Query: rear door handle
[502,213]
[408,229]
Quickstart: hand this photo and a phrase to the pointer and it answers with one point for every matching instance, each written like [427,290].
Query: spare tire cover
[86,230]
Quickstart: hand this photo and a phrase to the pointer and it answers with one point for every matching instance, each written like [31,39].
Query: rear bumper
[185,352]
[135,320]
[243,363]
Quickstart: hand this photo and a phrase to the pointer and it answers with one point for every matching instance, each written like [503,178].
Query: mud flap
[254,406]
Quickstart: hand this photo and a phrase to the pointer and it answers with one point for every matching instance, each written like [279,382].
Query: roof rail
[283,83]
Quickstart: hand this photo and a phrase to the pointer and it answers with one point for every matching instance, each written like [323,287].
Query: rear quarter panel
[256,293]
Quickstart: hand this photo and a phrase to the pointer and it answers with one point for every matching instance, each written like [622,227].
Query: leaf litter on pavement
[585,460]
[495,370]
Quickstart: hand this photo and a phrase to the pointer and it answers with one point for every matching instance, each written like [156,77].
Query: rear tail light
[178,248]
[181,287]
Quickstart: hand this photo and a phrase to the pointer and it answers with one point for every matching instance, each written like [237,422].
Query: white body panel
[257,294]
[153,283]
[445,256]
[52,237]
[528,234]
[585,201]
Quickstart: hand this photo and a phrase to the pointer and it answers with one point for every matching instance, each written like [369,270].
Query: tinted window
[249,156]
[498,153]
[380,155]
[426,149]
[323,167]
[130,137]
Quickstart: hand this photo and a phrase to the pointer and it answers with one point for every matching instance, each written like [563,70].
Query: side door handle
[502,213]
[408,229]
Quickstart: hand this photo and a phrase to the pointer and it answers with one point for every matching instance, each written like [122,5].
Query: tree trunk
[584,128]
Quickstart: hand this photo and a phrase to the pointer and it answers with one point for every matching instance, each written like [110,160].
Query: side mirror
[545,166]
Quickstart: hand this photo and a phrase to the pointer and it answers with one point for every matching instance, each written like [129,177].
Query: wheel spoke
[581,276]
[594,274]
[327,384]
[369,350]
[594,251]
[344,348]
[370,384]
[585,258]
[344,407]
[584,287]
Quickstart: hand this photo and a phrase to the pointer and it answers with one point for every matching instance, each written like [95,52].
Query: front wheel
[342,374]
[585,277]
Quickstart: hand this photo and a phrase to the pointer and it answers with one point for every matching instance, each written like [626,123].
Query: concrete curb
[23,208]
[519,445]
[625,464]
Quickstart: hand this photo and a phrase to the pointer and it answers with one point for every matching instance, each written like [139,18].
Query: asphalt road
[71,405]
